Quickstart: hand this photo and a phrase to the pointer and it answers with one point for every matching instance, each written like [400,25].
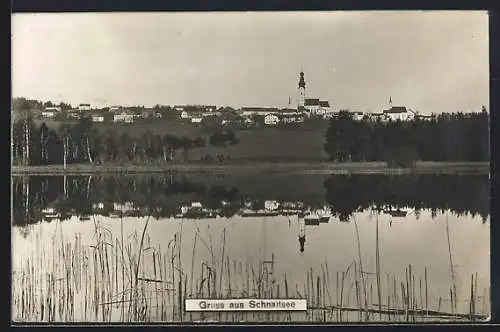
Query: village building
[357,116]
[187,110]
[211,114]
[98,206]
[53,109]
[399,113]
[97,118]
[324,107]
[271,205]
[424,117]
[291,112]
[247,114]
[123,207]
[225,122]
[271,119]
[73,113]
[197,118]
[124,116]
[376,116]
[311,105]
[209,108]
[317,107]
[48,114]
[330,115]
[291,116]
[84,107]
[148,113]
[248,121]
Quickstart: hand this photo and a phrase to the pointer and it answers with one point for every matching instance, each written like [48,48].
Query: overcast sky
[428,61]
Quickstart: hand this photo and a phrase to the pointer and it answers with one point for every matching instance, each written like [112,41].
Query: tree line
[81,143]
[25,104]
[162,196]
[447,137]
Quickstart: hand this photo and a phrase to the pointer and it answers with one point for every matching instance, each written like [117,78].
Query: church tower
[301,91]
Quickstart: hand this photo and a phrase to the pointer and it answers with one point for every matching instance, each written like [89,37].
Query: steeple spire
[302,82]
[301,91]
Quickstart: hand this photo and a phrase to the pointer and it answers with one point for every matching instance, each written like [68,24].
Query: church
[312,106]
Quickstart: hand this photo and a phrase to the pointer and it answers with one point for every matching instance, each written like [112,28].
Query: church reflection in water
[311,218]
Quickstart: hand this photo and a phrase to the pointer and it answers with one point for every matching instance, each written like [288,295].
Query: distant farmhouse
[424,117]
[51,112]
[316,107]
[84,107]
[271,119]
[48,114]
[376,116]
[357,116]
[124,116]
[288,116]
[53,109]
[197,118]
[400,113]
[151,113]
[197,111]
[73,113]
[97,118]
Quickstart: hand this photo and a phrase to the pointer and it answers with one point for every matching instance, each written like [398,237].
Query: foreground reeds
[125,278]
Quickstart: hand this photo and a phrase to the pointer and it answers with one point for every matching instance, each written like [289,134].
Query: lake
[357,247]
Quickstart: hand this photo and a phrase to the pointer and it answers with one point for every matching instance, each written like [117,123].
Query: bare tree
[66,139]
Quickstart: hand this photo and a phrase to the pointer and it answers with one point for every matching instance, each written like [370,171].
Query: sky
[427,61]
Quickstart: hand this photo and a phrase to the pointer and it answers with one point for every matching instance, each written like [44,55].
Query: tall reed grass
[125,278]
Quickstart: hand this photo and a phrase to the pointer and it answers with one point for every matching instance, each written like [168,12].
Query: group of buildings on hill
[307,107]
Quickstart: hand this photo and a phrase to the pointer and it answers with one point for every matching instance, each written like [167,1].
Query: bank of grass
[250,166]
[124,278]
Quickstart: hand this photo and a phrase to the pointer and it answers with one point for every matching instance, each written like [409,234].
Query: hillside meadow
[304,143]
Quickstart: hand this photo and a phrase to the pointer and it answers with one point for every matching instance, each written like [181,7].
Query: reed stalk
[69,281]
[361,265]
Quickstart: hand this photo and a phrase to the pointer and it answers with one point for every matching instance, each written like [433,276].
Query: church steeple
[302,82]
[301,91]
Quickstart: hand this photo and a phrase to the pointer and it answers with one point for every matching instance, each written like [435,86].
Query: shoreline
[325,168]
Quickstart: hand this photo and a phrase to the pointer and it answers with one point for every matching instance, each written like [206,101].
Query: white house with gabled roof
[84,107]
[271,119]
[399,113]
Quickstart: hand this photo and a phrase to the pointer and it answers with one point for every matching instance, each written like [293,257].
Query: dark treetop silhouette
[449,137]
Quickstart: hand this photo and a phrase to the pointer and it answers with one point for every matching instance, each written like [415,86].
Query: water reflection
[37,198]
[327,239]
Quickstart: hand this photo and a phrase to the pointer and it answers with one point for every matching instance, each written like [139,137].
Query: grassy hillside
[304,143]
[271,144]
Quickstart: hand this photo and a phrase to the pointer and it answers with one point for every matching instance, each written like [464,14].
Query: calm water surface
[420,236]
